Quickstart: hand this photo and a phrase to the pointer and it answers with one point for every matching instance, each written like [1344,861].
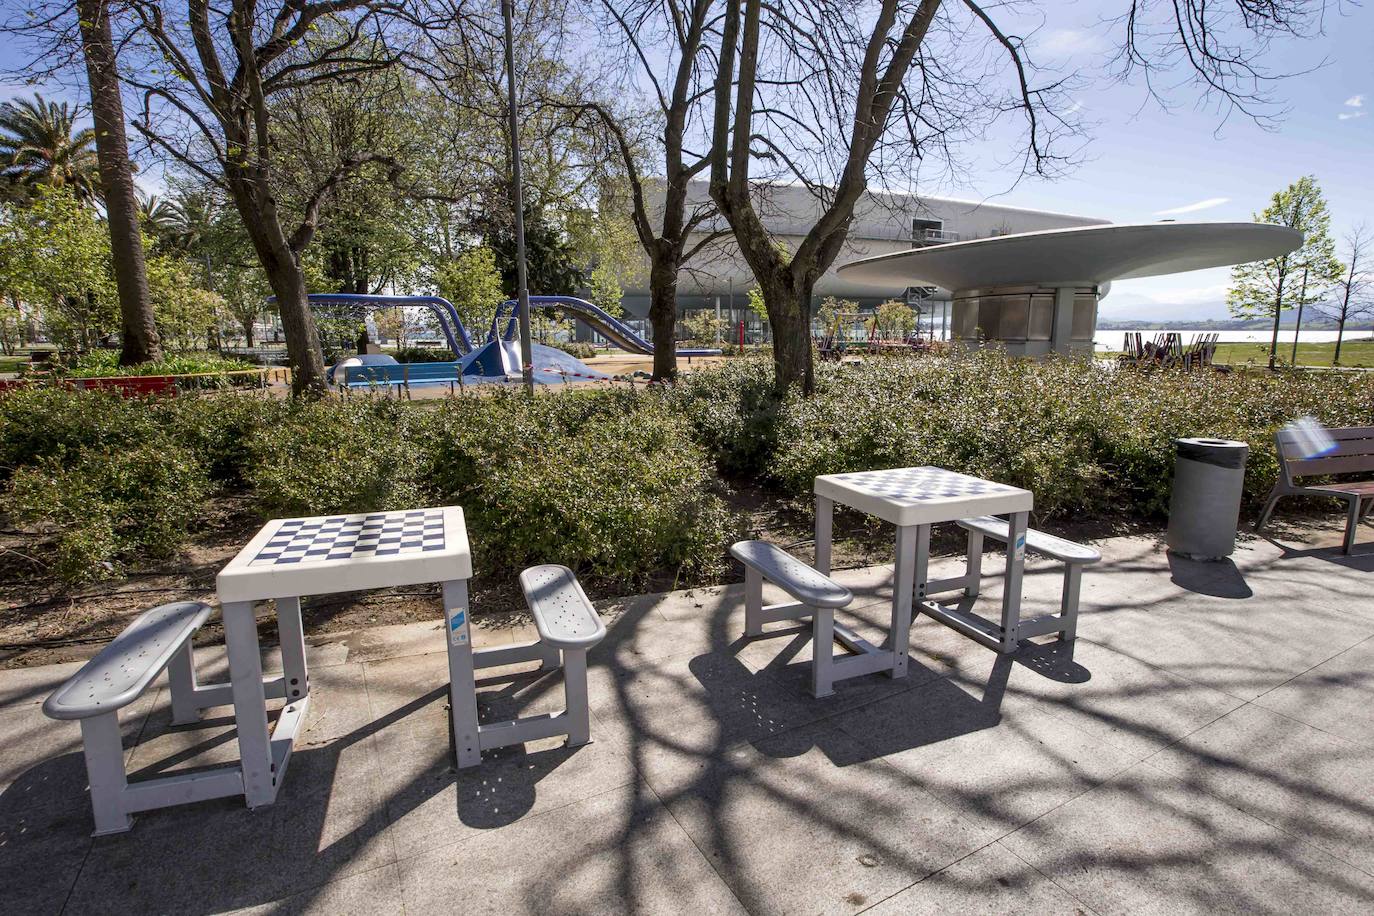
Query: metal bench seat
[1074,557]
[1038,541]
[160,639]
[816,596]
[122,671]
[568,626]
[802,582]
[562,613]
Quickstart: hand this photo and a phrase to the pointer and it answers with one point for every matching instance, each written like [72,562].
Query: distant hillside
[1227,324]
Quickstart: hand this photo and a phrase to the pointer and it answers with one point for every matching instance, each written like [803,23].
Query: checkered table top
[347,537]
[313,556]
[922,495]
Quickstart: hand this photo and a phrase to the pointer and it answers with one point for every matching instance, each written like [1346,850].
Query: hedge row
[622,484]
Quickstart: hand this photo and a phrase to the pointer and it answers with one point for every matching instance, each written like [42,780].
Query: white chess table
[914,499]
[291,558]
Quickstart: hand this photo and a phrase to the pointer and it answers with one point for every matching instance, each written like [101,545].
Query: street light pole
[518,195]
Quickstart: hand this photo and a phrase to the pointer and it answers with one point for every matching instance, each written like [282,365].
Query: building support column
[1061,334]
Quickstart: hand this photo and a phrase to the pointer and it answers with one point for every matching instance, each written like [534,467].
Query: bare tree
[673,38]
[1354,292]
[830,93]
[211,73]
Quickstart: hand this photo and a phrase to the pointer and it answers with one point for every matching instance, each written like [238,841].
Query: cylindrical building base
[1026,320]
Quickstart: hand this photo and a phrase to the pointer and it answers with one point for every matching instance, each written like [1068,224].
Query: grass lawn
[1358,352]
[12,363]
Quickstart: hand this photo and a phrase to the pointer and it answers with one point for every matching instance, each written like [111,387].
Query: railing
[935,236]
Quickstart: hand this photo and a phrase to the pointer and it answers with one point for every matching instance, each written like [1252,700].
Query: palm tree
[160,217]
[39,146]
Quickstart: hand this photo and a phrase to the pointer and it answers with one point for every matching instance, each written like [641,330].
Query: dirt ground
[42,622]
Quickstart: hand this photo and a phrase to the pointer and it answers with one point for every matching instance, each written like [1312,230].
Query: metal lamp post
[518,194]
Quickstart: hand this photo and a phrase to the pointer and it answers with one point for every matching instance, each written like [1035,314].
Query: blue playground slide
[459,341]
[590,314]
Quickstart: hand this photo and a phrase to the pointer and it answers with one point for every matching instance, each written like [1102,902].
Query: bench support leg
[181,682]
[1068,604]
[1268,510]
[575,697]
[973,564]
[753,602]
[105,773]
[292,633]
[462,687]
[1352,524]
[825,520]
[823,651]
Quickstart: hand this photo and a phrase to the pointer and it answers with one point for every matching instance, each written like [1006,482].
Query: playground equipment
[859,331]
[590,314]
[493,360]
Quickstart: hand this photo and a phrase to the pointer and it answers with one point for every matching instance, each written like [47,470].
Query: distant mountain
[1225,324]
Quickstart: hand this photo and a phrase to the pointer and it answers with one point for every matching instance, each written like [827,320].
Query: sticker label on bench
[1020,547]
[458,626]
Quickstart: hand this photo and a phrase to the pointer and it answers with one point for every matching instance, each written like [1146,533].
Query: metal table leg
[462,686]
[1011,597]
[825,518]
[905,571]
[250,704]
[292,633]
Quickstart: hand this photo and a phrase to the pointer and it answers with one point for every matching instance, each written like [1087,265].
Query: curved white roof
[1081,256]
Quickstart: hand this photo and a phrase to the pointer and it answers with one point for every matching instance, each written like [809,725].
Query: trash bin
[1209,478]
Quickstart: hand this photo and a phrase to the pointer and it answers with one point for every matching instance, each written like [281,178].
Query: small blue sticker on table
[458,627]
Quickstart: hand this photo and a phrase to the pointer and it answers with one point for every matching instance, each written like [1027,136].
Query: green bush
[105,363]
[333,456]
[219,428]
[1085,437]
[422,354]
[57,423]
[111,508]
[607,482]
[578,349]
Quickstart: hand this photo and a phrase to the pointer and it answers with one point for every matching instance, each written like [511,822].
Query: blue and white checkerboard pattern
[922,484]
[353,537]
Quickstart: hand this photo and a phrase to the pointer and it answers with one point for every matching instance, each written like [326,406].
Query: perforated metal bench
[816,596]
[159,639]
[1074,556]
[568,628]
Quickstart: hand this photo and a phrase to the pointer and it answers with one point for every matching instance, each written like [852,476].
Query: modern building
[719,280]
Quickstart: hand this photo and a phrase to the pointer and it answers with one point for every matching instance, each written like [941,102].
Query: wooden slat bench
[1353,454]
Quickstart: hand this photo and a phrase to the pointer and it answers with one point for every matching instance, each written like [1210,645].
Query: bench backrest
[1353,454]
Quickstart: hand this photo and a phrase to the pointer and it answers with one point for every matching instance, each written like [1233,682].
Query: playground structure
[496,359]
[1167,350]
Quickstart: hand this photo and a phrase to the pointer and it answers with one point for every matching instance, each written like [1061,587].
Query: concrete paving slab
[42,849]
[363,894]
[618,852]
[997,760]
[1144,843]
[991,881]
[1306,782]
[1336,696]
[808,822]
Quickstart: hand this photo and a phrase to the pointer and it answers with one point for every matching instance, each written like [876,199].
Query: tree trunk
[248,333]
[138,332]
[663,272]
[1278,312]
[1340,332]
[302,337]
[788,304]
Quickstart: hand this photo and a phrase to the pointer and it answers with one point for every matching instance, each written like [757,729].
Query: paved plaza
[1208,746]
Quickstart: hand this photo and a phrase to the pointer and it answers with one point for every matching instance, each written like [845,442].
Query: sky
[1188,163]
[1145,164]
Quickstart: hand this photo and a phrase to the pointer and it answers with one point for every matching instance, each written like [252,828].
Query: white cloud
[1355,101]
[1348,115]
[1207,204]
[1068,42]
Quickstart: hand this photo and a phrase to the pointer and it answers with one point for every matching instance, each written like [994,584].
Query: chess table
[914,499]
[294,557]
